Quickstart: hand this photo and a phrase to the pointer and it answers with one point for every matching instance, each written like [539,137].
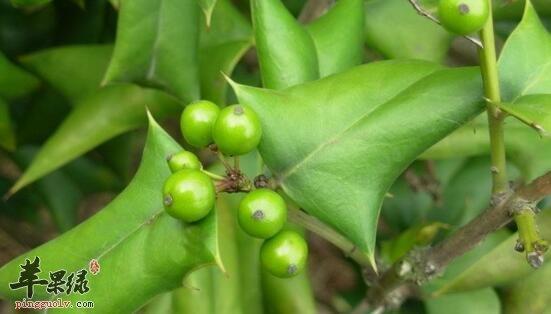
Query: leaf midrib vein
[154,216]
[287,173]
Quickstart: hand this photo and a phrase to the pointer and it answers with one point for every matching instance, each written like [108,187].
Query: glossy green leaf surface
[7,136]
[156,45]
[134,241]
[481,301]
[336,145]
[286,53]
[338,37]
[110,111]
[84,64]
[497,266]
[14,81]
[222,45]
[525,61]
[414,36]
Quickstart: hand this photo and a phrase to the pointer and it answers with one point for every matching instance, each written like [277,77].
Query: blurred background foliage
[53,60]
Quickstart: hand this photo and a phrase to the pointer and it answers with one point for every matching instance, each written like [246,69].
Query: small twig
[213,176]
[422,265]
[431,17]
[223,160]
[529,239]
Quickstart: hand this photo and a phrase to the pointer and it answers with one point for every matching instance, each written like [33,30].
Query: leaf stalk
[488,66]
[314,225]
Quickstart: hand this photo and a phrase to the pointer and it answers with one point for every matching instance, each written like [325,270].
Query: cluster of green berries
[463,17]
[262,214]
[189,193]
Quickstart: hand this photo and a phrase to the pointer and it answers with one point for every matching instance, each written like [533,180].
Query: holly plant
[275,156]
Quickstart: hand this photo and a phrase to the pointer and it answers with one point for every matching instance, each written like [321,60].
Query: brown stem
[421,265]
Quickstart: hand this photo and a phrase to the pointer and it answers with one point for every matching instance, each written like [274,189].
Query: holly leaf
[55,65]
[338,37]
[336,145]
[525,61]
[222,46]
[14,81]
[107,113]
[156,45]
[135,242]
[286,53]
[414,37]
[290,53]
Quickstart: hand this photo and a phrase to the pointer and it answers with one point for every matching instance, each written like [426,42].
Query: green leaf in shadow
[135,242]
[28,3]
[336,145]
[14,81]
[413,37]
[107,113]
[222,46]
[524,146]
[339,36]
[286,52]
[7,136]
[85,65]
[156,45]
[59,192]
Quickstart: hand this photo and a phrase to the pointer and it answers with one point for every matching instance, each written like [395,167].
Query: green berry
[196,122]
[183,160]
[188,195]
[463,17]
[262,213]
[237,130]
[285,254]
